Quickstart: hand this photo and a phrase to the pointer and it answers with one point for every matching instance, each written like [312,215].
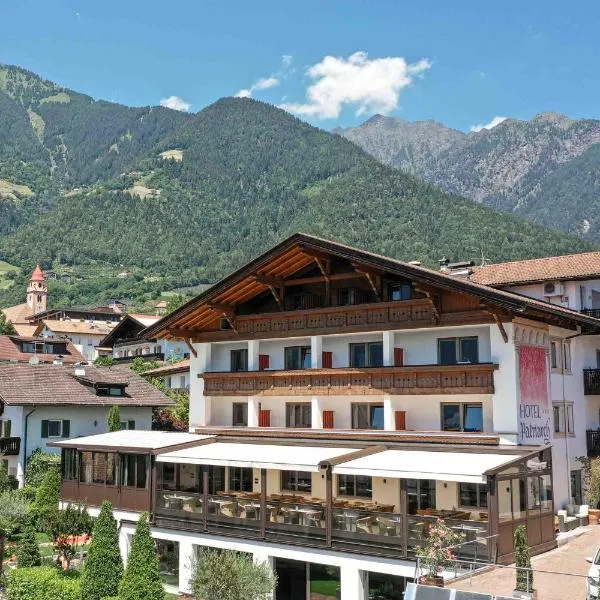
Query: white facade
[172,349]
[86,344]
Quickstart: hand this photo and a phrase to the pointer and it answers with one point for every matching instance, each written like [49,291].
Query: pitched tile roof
[572,266]
[10,350]
[78,327]
[24,384]
[179,367]
[18,313]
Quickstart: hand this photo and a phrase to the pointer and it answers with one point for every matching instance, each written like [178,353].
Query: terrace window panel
[299,415]
[86,467]
[469,350]
[296,481]
[141,480]
[216,479]
[239,360]
[189,478]
[240,479]
[363,486]
[240,414]
[376,354]
[99,468]
[167,476]
[450,417]
[473,418]
[111,469]
[358,355]
[447,351]
[376,417]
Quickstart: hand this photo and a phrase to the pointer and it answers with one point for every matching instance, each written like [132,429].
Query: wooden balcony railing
[10,446]
[422,379]
[591,382]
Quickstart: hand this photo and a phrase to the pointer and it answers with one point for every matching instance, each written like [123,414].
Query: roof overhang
[300,250]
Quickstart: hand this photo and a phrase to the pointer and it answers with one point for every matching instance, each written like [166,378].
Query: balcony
[591,312]
[591,382]
[420,379]
[593,442]
[10,446]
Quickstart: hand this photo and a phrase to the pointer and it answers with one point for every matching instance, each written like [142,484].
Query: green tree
[38,465]
[14,514]
[104,361]
[523,560]
[47,497]
[5,479]
[103,567]
[114,418]
[174,302]
[28,552]
[227,575]
[139,365]
[141,580]
[6,327]
[66,527]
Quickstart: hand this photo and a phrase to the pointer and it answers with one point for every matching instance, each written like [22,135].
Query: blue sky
[462,63]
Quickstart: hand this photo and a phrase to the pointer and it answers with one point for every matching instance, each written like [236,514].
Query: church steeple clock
[37,291]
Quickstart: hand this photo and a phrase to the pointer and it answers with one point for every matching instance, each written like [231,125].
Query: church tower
[37,291]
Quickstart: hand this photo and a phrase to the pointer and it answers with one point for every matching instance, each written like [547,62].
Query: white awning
[133,439]
[467,467]
[258,456]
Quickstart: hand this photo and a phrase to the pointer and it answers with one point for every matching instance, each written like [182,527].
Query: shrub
[66,527]
[523,560]
[114,419]
[37,583]
[28,552]
[103,568]
[47,497]
[38,465]
[141,580]
[227,575]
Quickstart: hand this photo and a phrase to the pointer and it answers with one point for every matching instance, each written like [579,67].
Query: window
[355,485]
[420,494]
[462,417]
[167,479]
[296,481]
[55,428]
[5,428]
[555,355]
[240,414]
[240,479]
[115,391]
[400,291]
[69,464]
[298,415]
[366,355]
[458,350]
[127,425]
[567,356]
[558,412]
[134,471]
[367,416]
[576,495]
[349,296]
[98,468]
[472,495]
[297,357]
[239,360]
[216,479]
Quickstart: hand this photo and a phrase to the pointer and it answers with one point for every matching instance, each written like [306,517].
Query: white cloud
[370,85]
[176,103]
[495,121]
[265,83]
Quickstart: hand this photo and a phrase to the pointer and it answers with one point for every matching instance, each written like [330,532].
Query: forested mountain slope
[526,167]
[167,199]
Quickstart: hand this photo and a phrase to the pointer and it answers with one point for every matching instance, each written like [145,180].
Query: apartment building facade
[344,401]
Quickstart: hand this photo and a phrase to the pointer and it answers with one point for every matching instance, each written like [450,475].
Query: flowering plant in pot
[436,553]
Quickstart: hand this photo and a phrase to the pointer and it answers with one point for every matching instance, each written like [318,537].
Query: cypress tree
[47,497]
[28,552]
[523,560]
[114,418]
[141,580]
[103,567]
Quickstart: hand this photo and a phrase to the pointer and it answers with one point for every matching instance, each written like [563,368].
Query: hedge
[35,583]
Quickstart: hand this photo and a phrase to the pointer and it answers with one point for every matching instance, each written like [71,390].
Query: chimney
[34,360]
[58,361]
[79,370]
[458,269]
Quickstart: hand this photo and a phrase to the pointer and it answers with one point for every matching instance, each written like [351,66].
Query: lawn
[326,587]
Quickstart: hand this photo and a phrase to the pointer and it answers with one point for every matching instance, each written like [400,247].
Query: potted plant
[437,553]
[524,588]
[591,486]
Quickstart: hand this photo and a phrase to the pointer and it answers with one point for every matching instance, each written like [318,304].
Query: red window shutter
[327,419]
[398,357]
[264,418]
[328,360]
[400,417]
[263,362]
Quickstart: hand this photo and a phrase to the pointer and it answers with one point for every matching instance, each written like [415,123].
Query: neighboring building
[44,403]
[37,301]
[126,341]
[161,307]
[353,398]
[15,348]
[176,376]
[84,335]
[573,282]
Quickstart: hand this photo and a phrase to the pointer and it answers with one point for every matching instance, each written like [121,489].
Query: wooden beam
[278,299]
[269,280]
[321,278]
[501,328]
[188,343]
[434,307]
[225,309]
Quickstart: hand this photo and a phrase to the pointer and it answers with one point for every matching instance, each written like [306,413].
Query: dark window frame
[290,481]
[462,411]
[367,354]
[480,491]
[372,406]
[240,479]
[305,409]
[354,484]
[243,422]
[296,357]
[239,360]
[459,357]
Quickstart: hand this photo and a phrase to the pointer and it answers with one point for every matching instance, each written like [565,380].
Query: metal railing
[591,381]
[10,446]
[591,312]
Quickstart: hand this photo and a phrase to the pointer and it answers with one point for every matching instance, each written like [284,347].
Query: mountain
[546,169]
[120,201]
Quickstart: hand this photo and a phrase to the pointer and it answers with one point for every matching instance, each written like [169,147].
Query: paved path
[569,558]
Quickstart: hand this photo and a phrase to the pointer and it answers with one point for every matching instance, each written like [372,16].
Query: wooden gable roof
[276,266]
